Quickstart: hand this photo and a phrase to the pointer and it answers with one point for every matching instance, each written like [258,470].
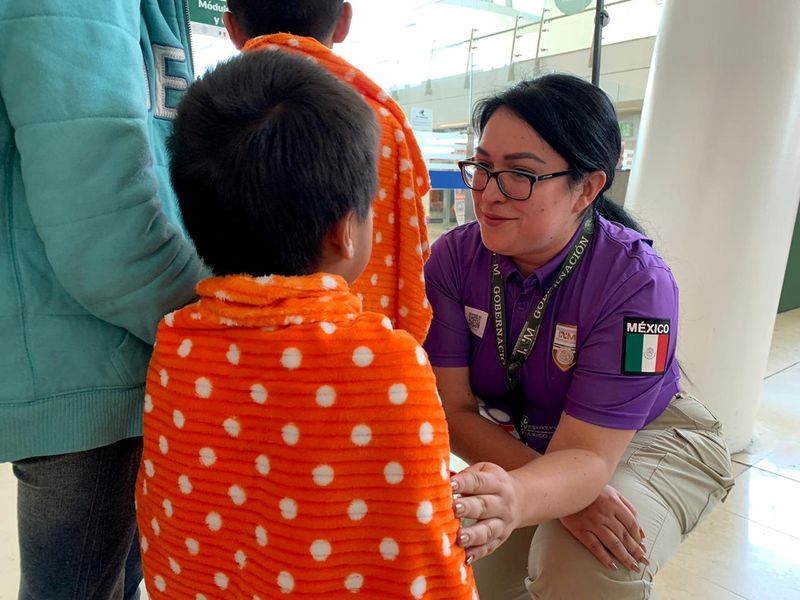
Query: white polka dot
[383,96]
[291,434]
[391,218]
[320,550]
[207,456]
[389,549]
[350,75]
[444,471]
[398,393]
[363,357]
[228,322]
[144,544]
[328,328]
[418,587]
[407,124]
[294,43]
[261,536]
[159,582]
[203,387]
[378,237]
[323,475]
[258,393]
[232,427]
[221,580]
[293,320]
[426,433]
[422,358]
[357,510]
[200,597]
[387,323]
[178,419]
[329,283]
[288,509]
[408,193]
[374,279]
[447,548]
[265,280]
[144,487]
[241,558]
[393,472]
[173,564]
[384,112]
[169,319]
[233,355]
[420,182]
[164,376]
[463,571]
[382,194]
[403,311]
[221,295]
[196,316]
[385,301]
[418,250]
[214,521]
[387,152]
[262,465]
[425,512]
[399,136]
[237,495]
[163,444]
[425,303]
[286,582]
[168,510]
[155,526]
[361,435]
[388,261]
[149,469]
[148,403]
[354,582]
[401,283]
[291,359]
[414,221]
[185,348]
[192,546]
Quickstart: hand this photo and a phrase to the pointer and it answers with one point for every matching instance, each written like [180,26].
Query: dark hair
[269,151]
[310,18]
[577,119]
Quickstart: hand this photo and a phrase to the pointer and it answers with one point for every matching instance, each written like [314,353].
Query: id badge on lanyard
[513,361]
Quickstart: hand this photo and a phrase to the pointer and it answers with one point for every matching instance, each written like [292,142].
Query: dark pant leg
[76,522]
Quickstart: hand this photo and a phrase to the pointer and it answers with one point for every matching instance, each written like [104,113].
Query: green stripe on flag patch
[645,346]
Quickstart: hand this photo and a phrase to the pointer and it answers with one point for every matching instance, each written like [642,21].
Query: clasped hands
[493,498]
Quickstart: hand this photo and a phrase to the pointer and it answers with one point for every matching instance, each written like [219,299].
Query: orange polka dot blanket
[294,446]
[393,282]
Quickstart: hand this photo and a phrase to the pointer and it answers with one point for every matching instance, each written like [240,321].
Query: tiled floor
[749,548]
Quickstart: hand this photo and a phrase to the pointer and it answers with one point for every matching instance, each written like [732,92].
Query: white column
[716,183]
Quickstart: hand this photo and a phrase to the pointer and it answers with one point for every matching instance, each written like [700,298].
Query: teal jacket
[90,256]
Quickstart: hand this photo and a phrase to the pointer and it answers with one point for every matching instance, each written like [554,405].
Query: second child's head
[274,162]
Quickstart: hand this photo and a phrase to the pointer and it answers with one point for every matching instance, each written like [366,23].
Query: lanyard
[527,338]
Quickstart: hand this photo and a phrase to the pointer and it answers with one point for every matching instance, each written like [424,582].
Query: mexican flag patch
[645,346]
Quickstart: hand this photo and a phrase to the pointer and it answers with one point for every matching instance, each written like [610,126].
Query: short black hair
[577,119]
[269,151]
[309,18]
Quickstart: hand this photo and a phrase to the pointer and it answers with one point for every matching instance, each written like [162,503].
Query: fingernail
[454,485]
[463,539]
[634,567]
[614,566]
[470,559]
[644,561]
[459,509]
[641,532]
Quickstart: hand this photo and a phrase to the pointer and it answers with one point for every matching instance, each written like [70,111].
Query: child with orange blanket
[393,281]
[293,444]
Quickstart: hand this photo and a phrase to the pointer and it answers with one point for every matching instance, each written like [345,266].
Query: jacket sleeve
[413,309]
[73,82]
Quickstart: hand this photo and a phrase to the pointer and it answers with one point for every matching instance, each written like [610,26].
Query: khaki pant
[675,471]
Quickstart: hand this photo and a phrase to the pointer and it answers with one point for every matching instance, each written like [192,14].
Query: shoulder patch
[645,345]
[476,319]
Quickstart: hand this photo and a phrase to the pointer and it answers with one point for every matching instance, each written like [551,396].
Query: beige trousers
[675,471]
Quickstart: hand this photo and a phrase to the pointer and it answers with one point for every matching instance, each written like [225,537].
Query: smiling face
[532,231]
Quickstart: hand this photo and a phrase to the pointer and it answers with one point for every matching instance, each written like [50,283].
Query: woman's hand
[608,527]
[492,497]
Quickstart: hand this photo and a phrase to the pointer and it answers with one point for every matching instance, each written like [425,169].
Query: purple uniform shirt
[605,353]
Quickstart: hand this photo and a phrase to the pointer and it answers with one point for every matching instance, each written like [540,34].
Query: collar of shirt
[543,276]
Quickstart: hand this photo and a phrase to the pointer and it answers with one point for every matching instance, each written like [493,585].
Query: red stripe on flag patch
[661,353]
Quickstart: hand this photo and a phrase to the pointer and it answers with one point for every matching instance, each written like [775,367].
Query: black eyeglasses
[513,184]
